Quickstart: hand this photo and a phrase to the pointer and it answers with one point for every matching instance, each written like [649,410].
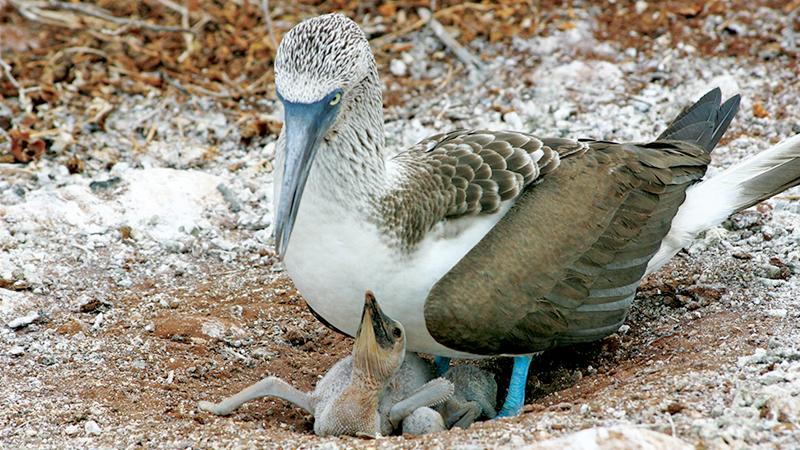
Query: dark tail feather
[703,123]
[724,117]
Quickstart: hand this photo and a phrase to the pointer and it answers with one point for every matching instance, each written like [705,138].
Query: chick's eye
[336,99]
[397,332]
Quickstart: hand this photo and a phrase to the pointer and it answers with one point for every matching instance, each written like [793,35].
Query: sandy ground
[148,281]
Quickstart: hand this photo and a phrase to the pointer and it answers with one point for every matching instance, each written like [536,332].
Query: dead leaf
[23,149]
[387,9]
[75,165]
[759,110]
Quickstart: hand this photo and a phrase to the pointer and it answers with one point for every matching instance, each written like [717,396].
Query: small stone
[91,427]
[759,356]
[513,119]
[675,407]
[398,68]
[623,330]
[585,409]
[779,313]
[24,321]
[89,304]
[223,244]
[16,351]
[98,322]
[72,430]
[139,364]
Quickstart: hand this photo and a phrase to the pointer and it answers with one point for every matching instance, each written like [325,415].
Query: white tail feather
[711,201]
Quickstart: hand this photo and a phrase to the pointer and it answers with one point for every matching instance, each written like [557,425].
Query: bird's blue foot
[442,365]
[515,398]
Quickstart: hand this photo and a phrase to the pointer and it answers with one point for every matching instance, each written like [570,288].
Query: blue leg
[515,398]
[442,365]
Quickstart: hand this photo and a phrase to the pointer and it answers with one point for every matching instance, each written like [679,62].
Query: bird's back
[562,266]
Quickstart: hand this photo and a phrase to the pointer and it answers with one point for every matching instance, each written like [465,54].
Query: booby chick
[474,396]
[368,393]
[485,243]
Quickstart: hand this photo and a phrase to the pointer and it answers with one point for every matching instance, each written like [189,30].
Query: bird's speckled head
[319,71]
[319,56]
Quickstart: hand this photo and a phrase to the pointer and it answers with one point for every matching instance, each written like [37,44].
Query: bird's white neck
[350,166]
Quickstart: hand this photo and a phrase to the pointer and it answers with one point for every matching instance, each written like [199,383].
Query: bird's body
[349,251]
[484,243]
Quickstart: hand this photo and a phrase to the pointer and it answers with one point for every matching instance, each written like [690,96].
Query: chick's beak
[375,325]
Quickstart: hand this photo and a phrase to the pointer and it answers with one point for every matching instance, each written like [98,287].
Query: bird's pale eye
[336,99]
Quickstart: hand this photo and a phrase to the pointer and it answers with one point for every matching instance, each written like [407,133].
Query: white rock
[72,429]
[779,312]
[162,202]
[513,119]
[398,68]
[98,322]
[613,438]
[24,321]
[16,351]
[759,356]
[91,427]
[213,328]
[223,244]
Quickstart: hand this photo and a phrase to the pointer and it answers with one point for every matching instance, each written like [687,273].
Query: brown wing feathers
[571,252]
[463,173]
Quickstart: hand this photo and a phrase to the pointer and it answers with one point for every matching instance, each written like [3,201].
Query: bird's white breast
[335,255]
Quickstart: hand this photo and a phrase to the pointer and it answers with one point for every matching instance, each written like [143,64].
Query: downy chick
[368,393]
[475,395]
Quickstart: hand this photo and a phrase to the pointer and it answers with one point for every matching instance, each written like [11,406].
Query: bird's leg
[431,393]
[515,398]
[268,387]
[442,364]
[487,409]
[464,416]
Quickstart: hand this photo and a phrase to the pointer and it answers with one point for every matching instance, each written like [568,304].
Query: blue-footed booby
[480,242]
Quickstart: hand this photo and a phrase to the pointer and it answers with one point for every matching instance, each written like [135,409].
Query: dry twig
[386,38]
[268,24]
[44,12]
[188,38]
[24,102]
[465,56]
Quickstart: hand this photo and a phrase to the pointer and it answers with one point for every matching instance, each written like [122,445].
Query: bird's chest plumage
[337,252]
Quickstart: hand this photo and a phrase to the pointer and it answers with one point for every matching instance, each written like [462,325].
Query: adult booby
[480,242]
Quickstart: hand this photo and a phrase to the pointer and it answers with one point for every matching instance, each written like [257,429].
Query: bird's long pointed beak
[303,132]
